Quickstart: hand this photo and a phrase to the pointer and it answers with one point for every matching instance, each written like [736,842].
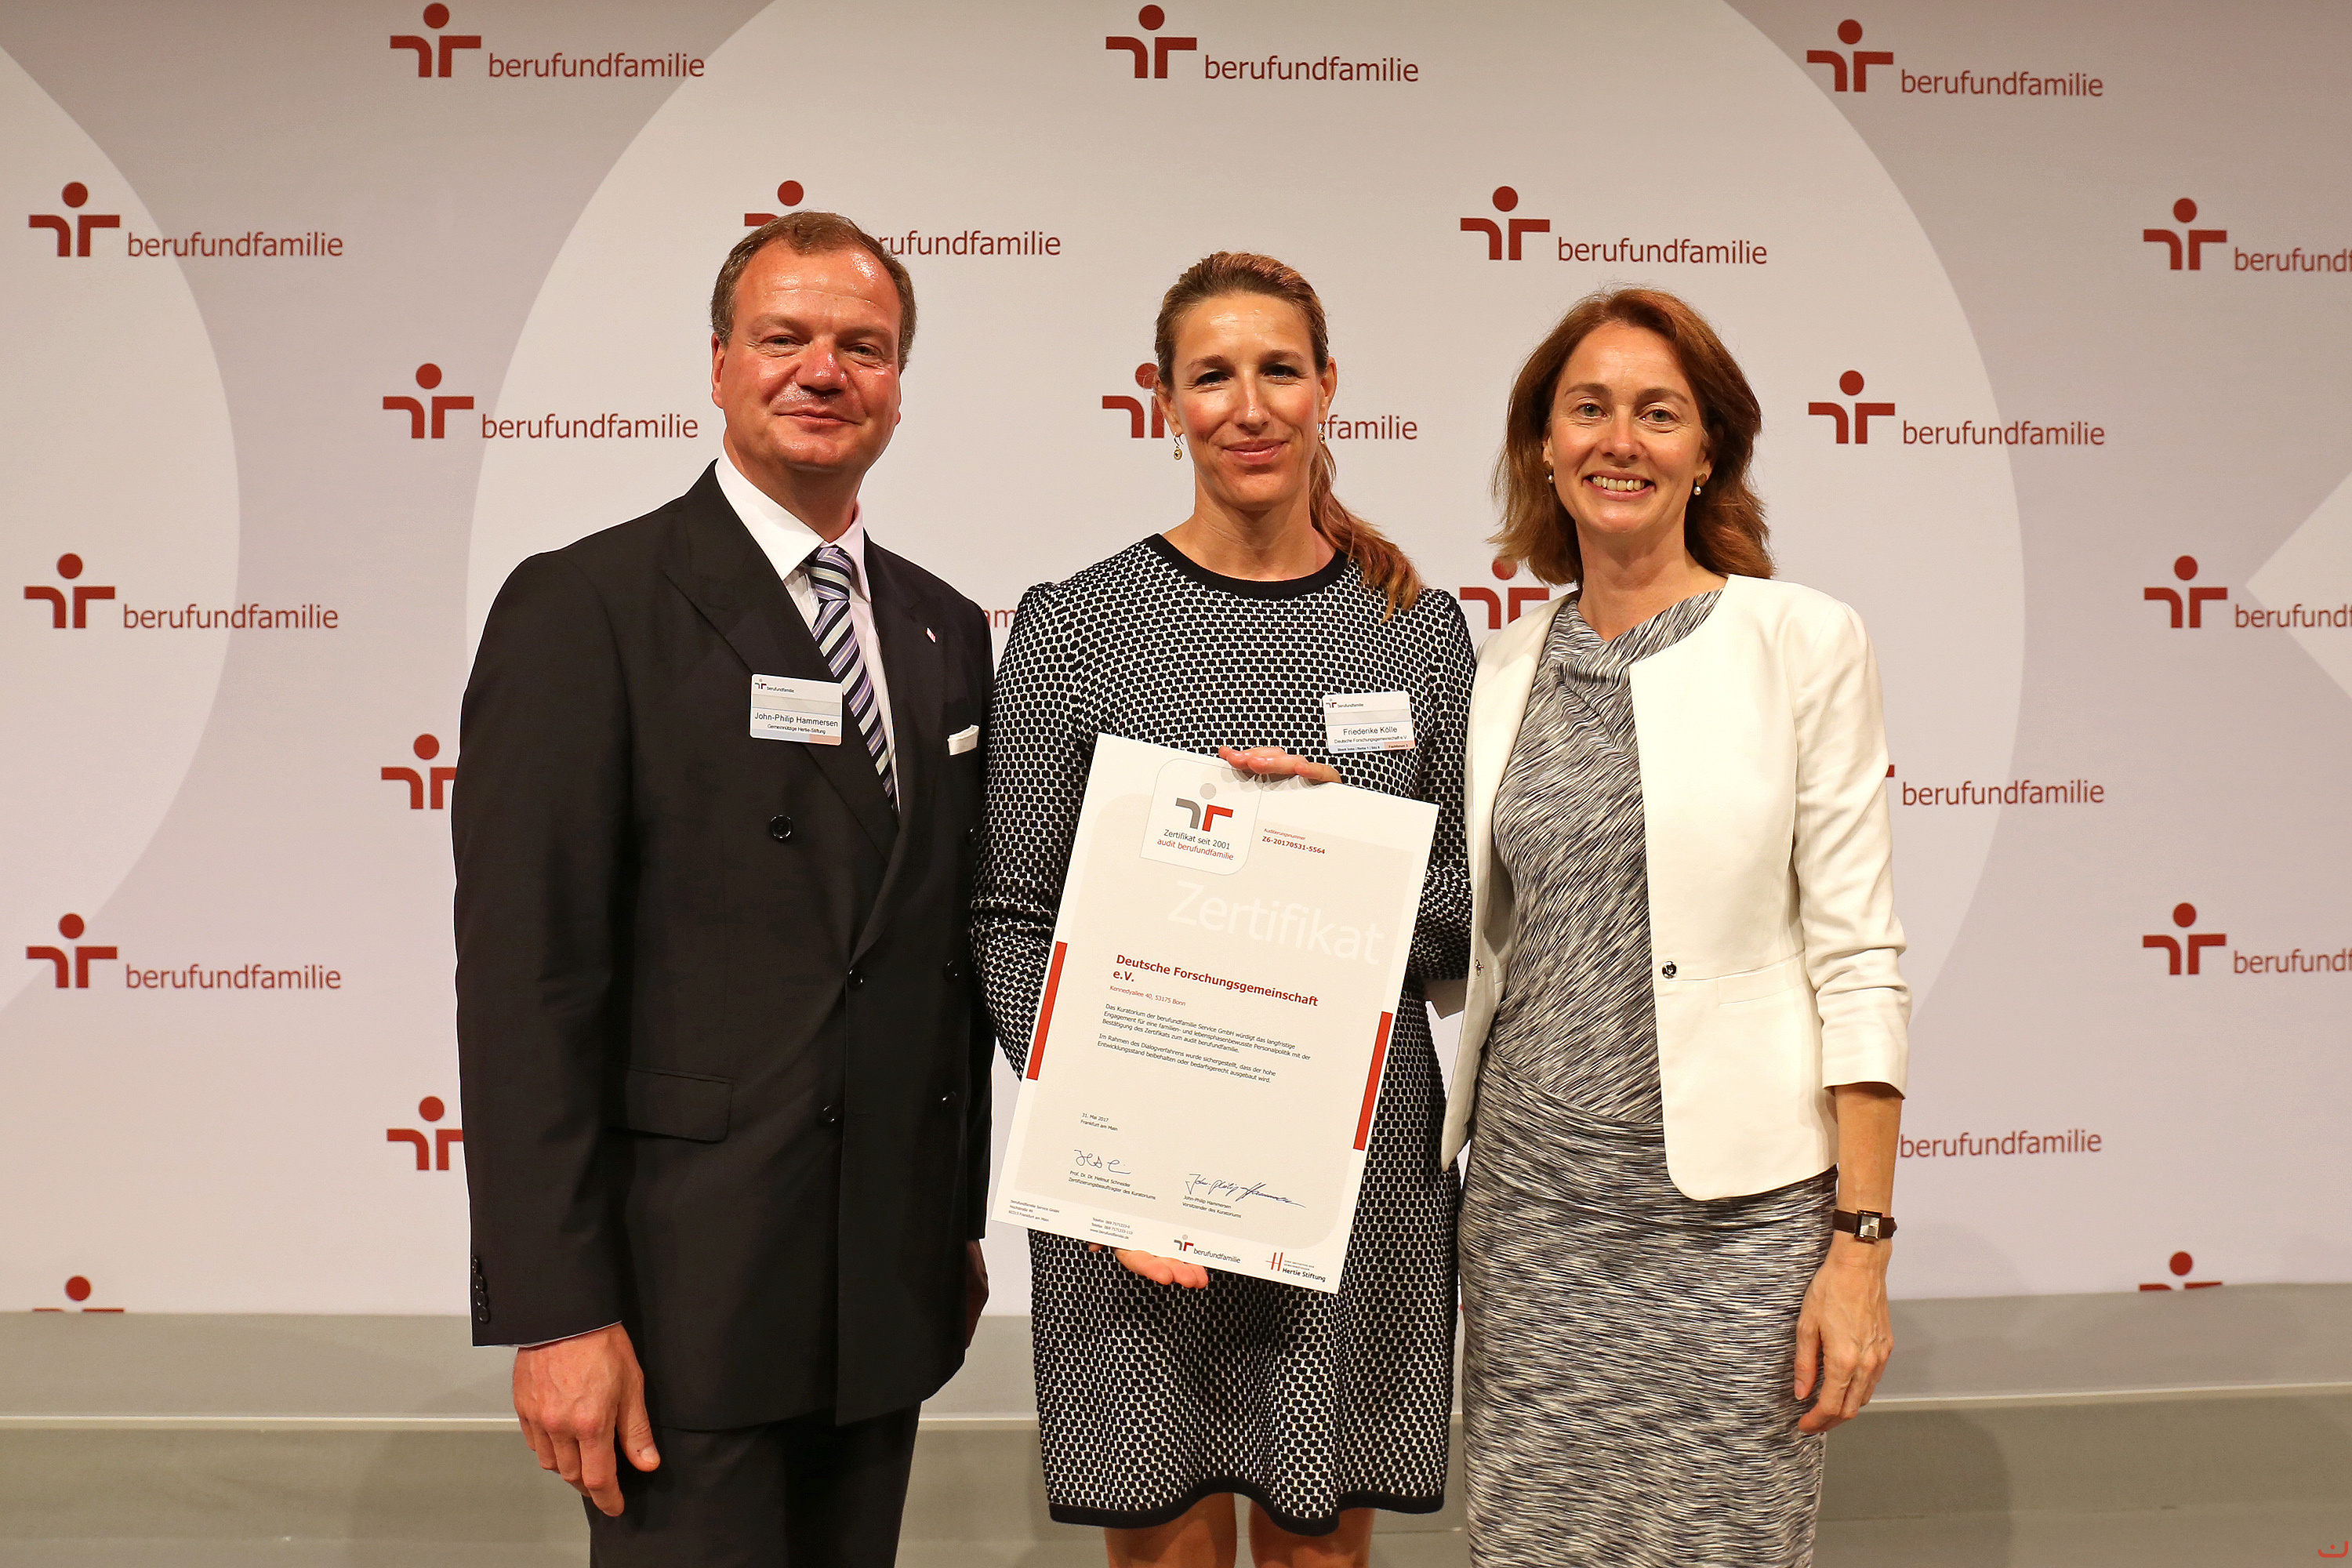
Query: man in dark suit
[725,1070]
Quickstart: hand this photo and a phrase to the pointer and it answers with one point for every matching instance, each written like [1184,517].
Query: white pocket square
[964,741]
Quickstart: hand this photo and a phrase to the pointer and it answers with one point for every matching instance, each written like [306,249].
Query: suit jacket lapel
[715,562]
[912,661]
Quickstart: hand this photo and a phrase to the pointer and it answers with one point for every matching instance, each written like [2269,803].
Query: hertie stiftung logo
[432,1154]
[439,50]
[78,1289]
[1151,57]
[1856,428]
[2190,244]
[1498,614]
[75,596]
[1147,376]
[72,968]
[788,196]
[428,376]
[2192,599]
[426,748]
[2189,946]
[1504,235]
[73,233]
[1849,33]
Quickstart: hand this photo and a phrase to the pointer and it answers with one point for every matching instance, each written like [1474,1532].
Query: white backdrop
[241,813]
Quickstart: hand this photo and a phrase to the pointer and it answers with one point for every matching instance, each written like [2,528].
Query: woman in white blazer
[1683,1049]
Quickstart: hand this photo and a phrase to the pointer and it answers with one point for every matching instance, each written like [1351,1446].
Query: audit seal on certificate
[1206,1058]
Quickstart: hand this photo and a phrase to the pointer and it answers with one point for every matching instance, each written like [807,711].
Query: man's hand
[573,1397]
[975,1291]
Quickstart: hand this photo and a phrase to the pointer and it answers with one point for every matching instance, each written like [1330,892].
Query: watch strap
[1879,1228]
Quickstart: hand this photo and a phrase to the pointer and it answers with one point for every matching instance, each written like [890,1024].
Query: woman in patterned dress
[1686,1025]
[1165,1390]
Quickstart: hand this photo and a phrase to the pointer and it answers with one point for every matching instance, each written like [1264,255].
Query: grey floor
[2202,1431]
[2239,1536]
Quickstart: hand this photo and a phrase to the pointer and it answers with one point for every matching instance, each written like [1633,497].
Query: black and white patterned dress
[1628,1351]
[1150,1397]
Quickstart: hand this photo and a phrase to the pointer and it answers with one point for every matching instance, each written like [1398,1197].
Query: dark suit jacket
[725,1069]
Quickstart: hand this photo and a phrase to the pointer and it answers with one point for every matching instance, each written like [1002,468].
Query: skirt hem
[1146,1519]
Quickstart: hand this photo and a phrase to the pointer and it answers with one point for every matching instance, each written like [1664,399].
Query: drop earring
[1178,453]
[1697,490]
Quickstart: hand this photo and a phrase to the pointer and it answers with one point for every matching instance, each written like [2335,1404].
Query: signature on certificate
[1086,1160]
[1217,1190]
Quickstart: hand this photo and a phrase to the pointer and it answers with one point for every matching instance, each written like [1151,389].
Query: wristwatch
[1866,1225]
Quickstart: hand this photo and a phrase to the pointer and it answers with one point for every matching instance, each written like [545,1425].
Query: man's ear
[718,358]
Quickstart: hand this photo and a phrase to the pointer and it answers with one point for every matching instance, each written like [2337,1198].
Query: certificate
[1206,1059]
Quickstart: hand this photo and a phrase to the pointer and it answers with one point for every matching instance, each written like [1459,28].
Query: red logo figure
[2185,569]
[2184,212]
[432,1154]
[1505,200]
[1146,375]
[1203,818]
[69,568]
[428,376]
[78,1291]
[2184,916]
[1183,1244]
[788,194]
[1849,33]
[1275,1263]
[1850,383]
[426,748]
[2180,1263]
[1149,19]
[437,16]
[1505,569]
[76,971]
[73,236]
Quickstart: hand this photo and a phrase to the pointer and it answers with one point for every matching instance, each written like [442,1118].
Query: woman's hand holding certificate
[1205,1062]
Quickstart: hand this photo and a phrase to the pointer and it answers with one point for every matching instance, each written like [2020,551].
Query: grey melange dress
[1626,1375]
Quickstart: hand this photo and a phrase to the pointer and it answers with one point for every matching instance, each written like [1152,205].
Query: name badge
[1368,721]
[785,709]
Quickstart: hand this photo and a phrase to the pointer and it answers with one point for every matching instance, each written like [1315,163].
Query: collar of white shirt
[787,541]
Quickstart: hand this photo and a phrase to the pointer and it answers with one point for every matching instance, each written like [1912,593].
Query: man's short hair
[809,234]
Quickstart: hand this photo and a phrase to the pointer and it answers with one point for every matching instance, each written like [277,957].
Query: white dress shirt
[789,543]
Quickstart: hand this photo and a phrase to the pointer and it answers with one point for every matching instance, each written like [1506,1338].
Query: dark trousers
[802,1493]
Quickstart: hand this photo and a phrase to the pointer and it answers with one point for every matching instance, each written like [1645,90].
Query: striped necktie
[828,572]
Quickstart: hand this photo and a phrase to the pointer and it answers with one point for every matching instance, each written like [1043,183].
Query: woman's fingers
[1164,1270]
[1809,1352]
[1837,1380]
[1274,762]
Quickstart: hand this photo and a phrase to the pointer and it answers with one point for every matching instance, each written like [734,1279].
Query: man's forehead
[780,280]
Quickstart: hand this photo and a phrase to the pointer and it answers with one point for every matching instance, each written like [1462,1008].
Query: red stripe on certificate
[1046,1009]
[1372,1082]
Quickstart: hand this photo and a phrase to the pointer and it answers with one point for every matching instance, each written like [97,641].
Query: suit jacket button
[780,829]
[955,970]
[971,837]
[830,1115]
[856,980]
[1668,972]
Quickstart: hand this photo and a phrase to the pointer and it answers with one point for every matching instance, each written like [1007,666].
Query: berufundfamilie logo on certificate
[1201,818]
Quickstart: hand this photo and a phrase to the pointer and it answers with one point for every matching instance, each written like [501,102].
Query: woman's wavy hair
[1385,568]
[1724,526]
